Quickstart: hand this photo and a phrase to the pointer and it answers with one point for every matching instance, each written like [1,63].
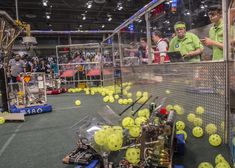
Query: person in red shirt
[160,54]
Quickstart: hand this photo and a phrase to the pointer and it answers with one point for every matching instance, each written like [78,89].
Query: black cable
[132,104]
[142,105]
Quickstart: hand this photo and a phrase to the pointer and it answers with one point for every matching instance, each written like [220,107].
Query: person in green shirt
[188,44]
[215,40]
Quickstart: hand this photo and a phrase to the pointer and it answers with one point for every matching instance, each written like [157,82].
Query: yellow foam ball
[211,128]
[135,131]
[180,125]
[118,130]
[179,110]
[129,101]
[133,155]
[191,117]
[127,122]
[222,165]
[220,159]
[205,165]
[197,121]
[100,137]
[87,92]
[144,113]
[78,102]
[92,93]
[215,140]
[168,91]
[169,107]
[106,99]
[103,93]
[138,94]
[125,93]
[197,132]
[140,120]
[145,94]
[200,110]
[116,96]
[111,100]
[114,142]
[2,120]
[120,101]
[182,132]
[129,95]
[125,101]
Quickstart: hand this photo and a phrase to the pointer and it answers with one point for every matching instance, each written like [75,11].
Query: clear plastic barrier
[133,40]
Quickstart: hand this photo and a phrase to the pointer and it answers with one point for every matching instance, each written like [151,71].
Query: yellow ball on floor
[106,99]
[129,95]
[167,91]
[2,120]
[78,102]
[135,131]
[130,101]
[211,128]
[191,117]
[197,122]
[179,110]
[133,155]
[180,125]
[215,140]
[138,94]
[111,99]
[114,142]
[127,122]
[100,137]
[116,96]
[120,101]
[200,110]
[205,165]
[140,120]
[197,132]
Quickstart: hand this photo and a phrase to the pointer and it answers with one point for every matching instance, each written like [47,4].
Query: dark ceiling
[68,14]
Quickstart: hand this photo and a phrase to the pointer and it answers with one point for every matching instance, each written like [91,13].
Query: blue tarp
[32,110]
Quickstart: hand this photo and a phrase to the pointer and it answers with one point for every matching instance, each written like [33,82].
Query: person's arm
[194,53]
[210,43]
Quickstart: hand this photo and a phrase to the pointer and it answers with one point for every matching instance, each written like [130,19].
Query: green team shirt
[216,34]
[189,43]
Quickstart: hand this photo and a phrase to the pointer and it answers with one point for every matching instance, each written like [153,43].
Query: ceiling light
[119,6]
[103,26]
[45,2]
[205,15]
[89,4]
[109,18]
[48,16]
[84,18]
[202,6]
[80,26]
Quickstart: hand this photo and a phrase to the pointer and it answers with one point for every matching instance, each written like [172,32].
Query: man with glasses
[188,44]
[215,40]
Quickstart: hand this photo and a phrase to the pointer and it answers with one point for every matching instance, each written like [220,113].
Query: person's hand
[188,55]
[207,41]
